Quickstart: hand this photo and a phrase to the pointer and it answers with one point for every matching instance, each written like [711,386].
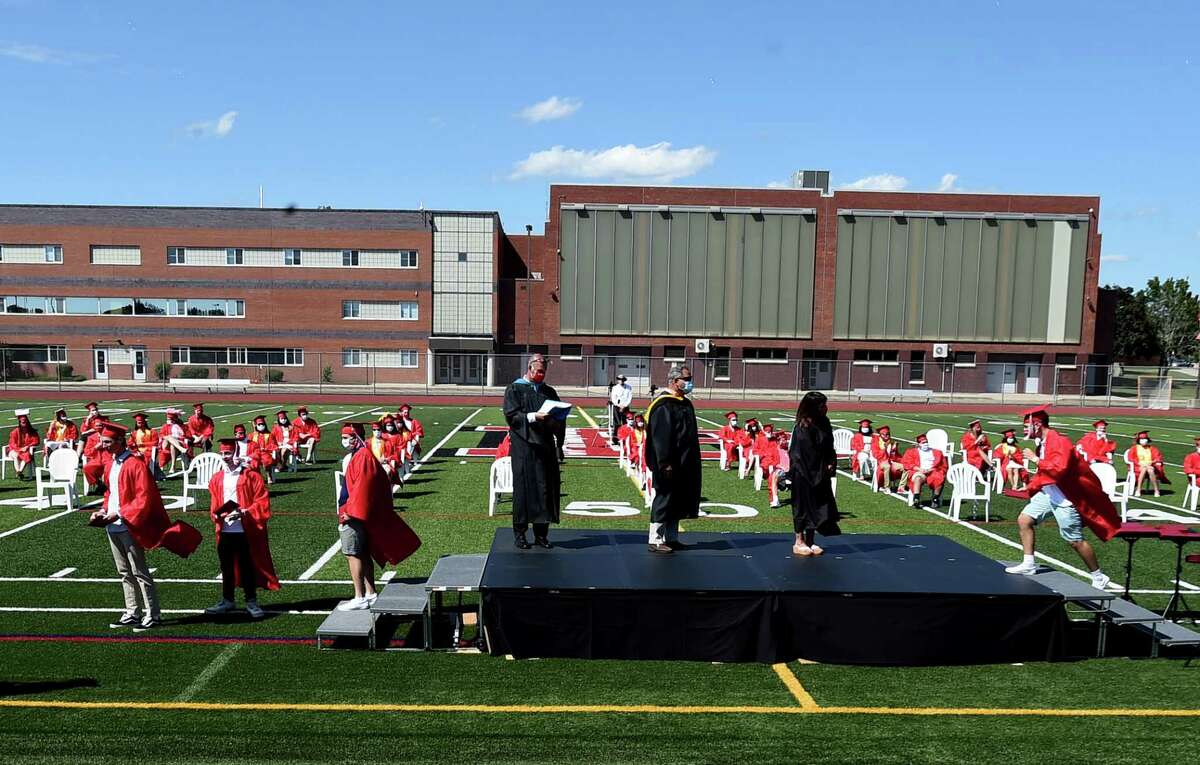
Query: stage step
[401,599]
[461,573]
[351,624]
[1072,589]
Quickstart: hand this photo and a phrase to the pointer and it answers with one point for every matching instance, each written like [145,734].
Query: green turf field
[230,690]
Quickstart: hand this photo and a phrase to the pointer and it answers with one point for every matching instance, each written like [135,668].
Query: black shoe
[661,549]
[935,503]
[126,620]
[676,545]
[521,542]
[542,542]
[147,624]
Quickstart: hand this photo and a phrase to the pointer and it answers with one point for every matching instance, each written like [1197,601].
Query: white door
[100,363]
[139,363]
[636,368]
[1002,378]
[600,371]
[1032,379]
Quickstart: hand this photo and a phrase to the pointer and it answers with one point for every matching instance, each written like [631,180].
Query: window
[351,309]
[56,305]
[349,257]
[765,354]
[462,257]
[291,257]
[206,307]
[116,255]
[293,357]
[208,355]
[876,357]
[175,256]
[38,354]
[237,355]
[180,354]
[237,308]
[571,351]
[21,304]
[233,256]
[1065,360]
[180,308]
[964,358]
[81,306]
[916,371]
[53,253]
[675,353]
[151,307]
[352,357]
[116,306]
[408,359]
[408,258]
[408,310]
[720,362]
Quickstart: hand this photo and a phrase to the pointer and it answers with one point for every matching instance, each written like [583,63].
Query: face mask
[924,447]
[283,421]
[538,376]
[261,428]
[864,431]
[62,418]
[1143,441]
[374,434]
[1100,433]
[240,436]
[391,428]
[1012,441]
[688,388]
[347,443]
[733,422]
[304,417]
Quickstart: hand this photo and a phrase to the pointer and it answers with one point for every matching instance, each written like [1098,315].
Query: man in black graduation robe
[673,456]
[536,451]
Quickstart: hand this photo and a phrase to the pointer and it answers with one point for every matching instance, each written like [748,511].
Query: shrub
[162,370]
[274,376]
[222,373]
[195,373]
[327,374]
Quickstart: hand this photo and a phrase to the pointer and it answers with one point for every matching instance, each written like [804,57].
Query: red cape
[369,499]
[1061,465]
[255,502]
[143,512]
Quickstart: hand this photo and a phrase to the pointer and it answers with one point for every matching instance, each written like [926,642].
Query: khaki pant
[135,576]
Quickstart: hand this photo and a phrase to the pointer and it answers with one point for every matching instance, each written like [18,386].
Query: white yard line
[326,556]
[63,572]
[33,610]
[426,455]
[52,408]
[216,665]
[38,522]
[115,580]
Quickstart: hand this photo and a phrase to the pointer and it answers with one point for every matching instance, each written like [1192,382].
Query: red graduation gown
[22,442]
[201,427]
[1061,465]
[143,512]
[912,464]
[1156,459]
[369,499]
[974,451]
[1096,450]
[255,502]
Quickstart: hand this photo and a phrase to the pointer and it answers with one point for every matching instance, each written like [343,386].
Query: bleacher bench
[893,394]
[212,386]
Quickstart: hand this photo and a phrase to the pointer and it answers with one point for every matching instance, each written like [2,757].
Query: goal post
[1154,392]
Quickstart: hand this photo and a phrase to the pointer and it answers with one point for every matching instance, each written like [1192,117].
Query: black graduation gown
[534,452]
[811,455]
[673,439]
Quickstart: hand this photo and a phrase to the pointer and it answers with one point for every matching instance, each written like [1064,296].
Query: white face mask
[374,434]
[304,417]
[261,428]
[924,447]
[733,422]
[865,431]
[283,421]
[1012,441]
[347,442]
[1143,441]
[1101,433]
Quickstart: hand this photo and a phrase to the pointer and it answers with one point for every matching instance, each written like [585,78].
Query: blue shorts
[1070,527]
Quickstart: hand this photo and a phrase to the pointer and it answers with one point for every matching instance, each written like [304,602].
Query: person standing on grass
[619,400]
[673,456]
[535,446]
[368,526]
[240,507]
[23,440]
[1065,487]
[135,520]
[812,463]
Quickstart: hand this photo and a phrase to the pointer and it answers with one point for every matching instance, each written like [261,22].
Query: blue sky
[482,105]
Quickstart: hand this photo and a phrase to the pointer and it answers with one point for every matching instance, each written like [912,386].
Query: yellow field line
[583,413]
[803,697]
[199,706]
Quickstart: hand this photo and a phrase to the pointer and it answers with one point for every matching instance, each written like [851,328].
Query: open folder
[556,409]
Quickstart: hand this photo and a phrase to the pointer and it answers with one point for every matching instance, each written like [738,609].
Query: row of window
[380,358]
[380,310]
[290,256]
[120,306]
[31,253]
[37,354]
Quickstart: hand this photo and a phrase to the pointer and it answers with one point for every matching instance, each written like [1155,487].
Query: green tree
[1174,311]
[1134,336]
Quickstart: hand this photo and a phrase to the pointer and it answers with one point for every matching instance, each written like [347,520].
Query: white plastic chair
[968,484]
[308,449]
[1192,492]
[500,481]
[59,474]
[6,457]
[841,443]
[940,440]
[48,447]
[1108,479]
[745,462]
[1130,475]
[199,473]
[758,473]
[346,462]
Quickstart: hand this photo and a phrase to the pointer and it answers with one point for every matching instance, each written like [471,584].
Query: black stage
[870,599]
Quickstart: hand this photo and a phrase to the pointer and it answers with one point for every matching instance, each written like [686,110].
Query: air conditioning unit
[941,350]
[536,276]
[703,345]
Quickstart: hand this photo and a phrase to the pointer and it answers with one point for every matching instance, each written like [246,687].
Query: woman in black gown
[813,466]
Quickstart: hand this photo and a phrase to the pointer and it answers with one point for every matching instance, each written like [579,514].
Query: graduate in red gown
[1145,462]
[370,530]
[1097,446]
[285,445]
[780,465]
[90,420]
[23,440]
[1191,465]
[95,460]
[305,431]
[886,452]
[1010,461]
[1065,487]
[240,507]
[416,433]
[386,449]
[262,449]
[925,466]
[767,451]
[200,428]
[61,431]
[143,440]
[746,438]
[174,439]
[860,447]
[728,435]
[977,447]
[505,446]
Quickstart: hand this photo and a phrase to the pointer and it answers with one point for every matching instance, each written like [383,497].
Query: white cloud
[949,181]
[881,182]
[1115,258]
[780,185]
[553,108]
[218,128]
[40,54]
[657,162]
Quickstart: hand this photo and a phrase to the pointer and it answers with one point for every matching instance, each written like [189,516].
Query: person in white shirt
[620,398]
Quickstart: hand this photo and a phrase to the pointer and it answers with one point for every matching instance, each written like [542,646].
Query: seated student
[637,455]
[1097,446]
[90,421]
[285,445]
[416,431]
[61,432]
[174,440]
[728,436]
[1010,461]
[385,450]
[305,431]
[781,464]
[1146,462]
[23,440]
[977,448]
[200,428]
[767,451]
[886,452]
[860,448]
[746,440]
[925,466]
[143,441]
[1191,465]
[96,461]
[262,449]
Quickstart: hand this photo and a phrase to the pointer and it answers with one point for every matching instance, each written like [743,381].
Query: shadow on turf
[45,686]
[273,611]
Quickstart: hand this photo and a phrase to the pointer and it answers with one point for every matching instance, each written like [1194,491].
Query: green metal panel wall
[687,273]
[922,278]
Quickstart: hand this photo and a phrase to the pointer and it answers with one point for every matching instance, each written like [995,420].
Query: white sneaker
[354,604]
[222,607]
[1022,568]
[374,596]
[254,610]
[1101,581]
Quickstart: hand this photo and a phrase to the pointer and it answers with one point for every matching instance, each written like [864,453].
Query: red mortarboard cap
[1144,434]
[1010,432]
[302,410]
[1098,423]
[281,411]
[922,438]
[405,407]
[974,422]
[730,415]
[139,415]
[1043,409]
[261,419]
[885,429]
[198,406]
[768,426]
[238,427]
[112,429]
[864,422]
[353,429]
[91,405]
[227,446]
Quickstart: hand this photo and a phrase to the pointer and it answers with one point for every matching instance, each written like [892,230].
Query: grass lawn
[231,690]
